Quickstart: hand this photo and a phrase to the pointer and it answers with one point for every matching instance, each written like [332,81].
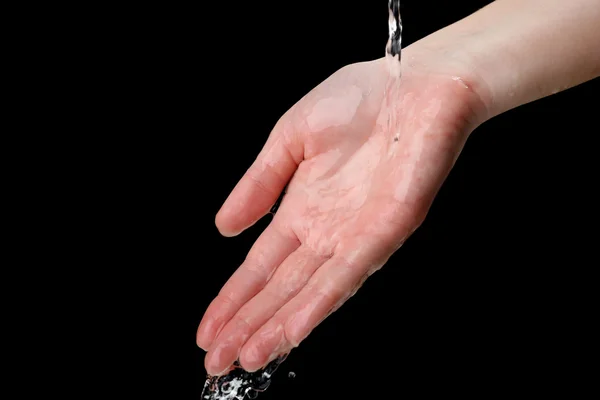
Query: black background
[486,296]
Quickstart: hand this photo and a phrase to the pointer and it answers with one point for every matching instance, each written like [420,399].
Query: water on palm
[239,384]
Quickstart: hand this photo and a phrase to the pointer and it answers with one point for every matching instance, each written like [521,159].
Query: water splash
[239,383]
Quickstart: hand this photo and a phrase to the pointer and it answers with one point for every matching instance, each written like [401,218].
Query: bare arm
[518,51]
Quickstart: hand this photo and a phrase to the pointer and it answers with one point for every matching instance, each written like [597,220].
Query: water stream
[394,45]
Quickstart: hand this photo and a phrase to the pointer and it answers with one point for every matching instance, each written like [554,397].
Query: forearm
[517,51]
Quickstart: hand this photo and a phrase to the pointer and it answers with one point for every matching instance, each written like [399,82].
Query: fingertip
[208,364]
[214,366]
[250,359]
[223,222]
[215,318]
[228,233]
[295,331]
[202,342]
[207,331]
[265,346]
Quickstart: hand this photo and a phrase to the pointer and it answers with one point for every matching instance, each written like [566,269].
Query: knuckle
[258,181]
[226,298]
[241,324]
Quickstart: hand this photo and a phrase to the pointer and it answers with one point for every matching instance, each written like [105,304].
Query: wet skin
[366,155]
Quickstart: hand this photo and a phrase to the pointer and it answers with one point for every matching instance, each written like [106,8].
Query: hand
[366,155]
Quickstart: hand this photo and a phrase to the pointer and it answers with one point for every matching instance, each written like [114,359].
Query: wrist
[513,52]
[442,58]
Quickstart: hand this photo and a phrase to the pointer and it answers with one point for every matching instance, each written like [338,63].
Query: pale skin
[365,155]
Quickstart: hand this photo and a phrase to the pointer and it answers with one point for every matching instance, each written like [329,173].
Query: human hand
[366,155]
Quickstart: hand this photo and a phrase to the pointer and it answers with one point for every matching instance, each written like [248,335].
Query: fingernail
[251,359]
[206,333]
[221,357]
[203,343]
[213,363]
[214,368]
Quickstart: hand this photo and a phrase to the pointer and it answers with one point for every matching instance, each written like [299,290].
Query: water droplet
[460,80]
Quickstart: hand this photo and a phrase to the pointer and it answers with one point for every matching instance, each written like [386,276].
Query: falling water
[393,50]
[394,46]
[393,57]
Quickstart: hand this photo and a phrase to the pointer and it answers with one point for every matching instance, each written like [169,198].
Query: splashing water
[238,383]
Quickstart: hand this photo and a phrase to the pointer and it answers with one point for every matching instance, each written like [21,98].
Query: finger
[287,281]
[272,247]
[262,184]
[329,287]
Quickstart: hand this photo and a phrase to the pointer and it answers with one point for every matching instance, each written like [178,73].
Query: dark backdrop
[484,297]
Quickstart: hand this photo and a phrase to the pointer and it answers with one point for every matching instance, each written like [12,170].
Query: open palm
[364,155]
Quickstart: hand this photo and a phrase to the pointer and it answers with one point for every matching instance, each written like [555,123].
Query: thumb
[262,184]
